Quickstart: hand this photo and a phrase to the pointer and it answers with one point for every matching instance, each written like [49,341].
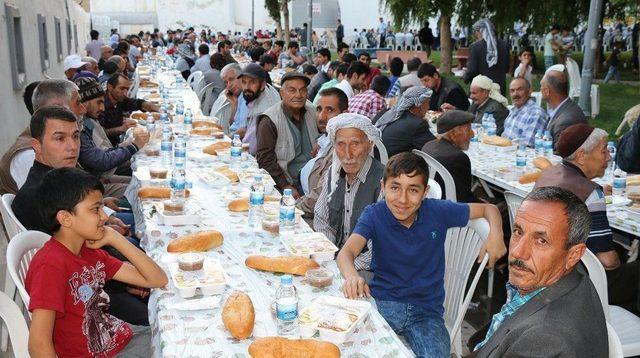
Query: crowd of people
[319,132]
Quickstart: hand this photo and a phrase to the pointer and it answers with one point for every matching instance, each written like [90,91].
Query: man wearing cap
[286,133]
[454,136]
[585,157]
[352,182]
[562,111]
[97,156]
[526,118]
[257,96]
[403,127]
[486,98]
[72,64]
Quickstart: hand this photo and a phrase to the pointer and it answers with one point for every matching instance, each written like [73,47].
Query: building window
[16,47]
[44,42]
[69,37]
[75,37]
[56,21]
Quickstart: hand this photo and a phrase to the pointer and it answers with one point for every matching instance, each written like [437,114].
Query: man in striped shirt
[370,102]
[526,118]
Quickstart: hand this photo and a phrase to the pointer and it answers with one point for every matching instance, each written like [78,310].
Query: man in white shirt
[355,80]
[93,47]
[550,45]
[202,63]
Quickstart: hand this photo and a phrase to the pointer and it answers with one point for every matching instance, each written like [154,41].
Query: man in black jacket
[488,56]
[447,94]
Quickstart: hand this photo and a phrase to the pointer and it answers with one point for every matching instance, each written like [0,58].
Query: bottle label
[287,312]
[619,183]
[521,162]
[287,214]
[180,152]
[165,146]
[256,198]
[178,184]
[236,151]
[491,131]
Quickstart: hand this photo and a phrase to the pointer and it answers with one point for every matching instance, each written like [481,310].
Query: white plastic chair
[17,327]
[615,347]
[20,252]
[382,151]
[203,91]
[198,85]
[133,91]
[624,323]
[436,167]
[193,77]
[461,248]
[435,192]
[513,203]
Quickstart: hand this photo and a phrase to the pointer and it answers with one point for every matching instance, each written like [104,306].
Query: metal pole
[310,27]
[253,8]
[590,46]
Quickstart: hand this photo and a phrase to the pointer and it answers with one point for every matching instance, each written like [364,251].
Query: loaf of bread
[205,124]
[529,177]
[238,315]
[278,347]
[215,147]
[196,242]
[156,192]
[202,131]
[242,204]
[633,180]
[497,141]
[542,163]
[295,265]
[229,174]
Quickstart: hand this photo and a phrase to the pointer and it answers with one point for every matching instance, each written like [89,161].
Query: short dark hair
[342,69]
[56,194]
[324,52]
[349,58]
[343,100]
[267,59]
[413,64]
[293,44]
[427,69]
[333,65]
[358,68]
[365,54]
[309,69]
[94,34]
[115,78]
[577,213]
[396,66]
[380,84]
[526,49]
[406,163]
[279,43]
[217,61]
[342,45]
[203,49]
[27,96]
[221,44]
[41,116]
[256,52]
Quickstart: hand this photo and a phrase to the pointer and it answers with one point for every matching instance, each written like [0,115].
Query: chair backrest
[191,80]
[11,223]
[382,151]
[204,91]
[615,346]
[513,203]
[435,191]
[198,85]
[598,278]
[16,325]
[20,252]
[436,167]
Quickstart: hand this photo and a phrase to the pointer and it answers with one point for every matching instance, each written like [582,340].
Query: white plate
[312,244]
[325,305]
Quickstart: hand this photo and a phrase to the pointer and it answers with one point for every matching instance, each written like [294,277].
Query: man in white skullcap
[486,98]
[488,55]
[352,183]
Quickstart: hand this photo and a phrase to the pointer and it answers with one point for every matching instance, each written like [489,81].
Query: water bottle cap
[257,177]
[611,143]
[288,192]
[286,279]
[236,136]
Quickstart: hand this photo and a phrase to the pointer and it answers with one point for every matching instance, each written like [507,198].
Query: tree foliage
[273,8]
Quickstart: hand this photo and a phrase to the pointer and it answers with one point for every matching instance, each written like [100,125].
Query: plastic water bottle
[539,144]
[473,143]
[180,152]
[287,212]
[521,158]
[256,200]
[179,108]
[287,308]
[166,146]
[188,121]
[611,147]
[547,144]
[619,182]
[178,184]
[236,147]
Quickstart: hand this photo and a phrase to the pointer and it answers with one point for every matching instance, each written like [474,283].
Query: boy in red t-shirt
[66,276]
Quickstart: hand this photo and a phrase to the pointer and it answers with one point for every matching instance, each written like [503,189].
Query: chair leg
[11,291]
[490,283]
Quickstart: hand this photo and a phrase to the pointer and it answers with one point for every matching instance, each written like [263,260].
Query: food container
[335,318]
[320,277]
[210,280]
[273,208]
[152,151]
[174,218]
[190,261]
[271,224]
[158,173]
[172,207]
[311,244]
[145,177]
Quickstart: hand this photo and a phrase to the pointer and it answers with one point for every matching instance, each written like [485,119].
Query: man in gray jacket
[562,111]
[552,308]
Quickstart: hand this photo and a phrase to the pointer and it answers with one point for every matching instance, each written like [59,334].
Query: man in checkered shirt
[370,102]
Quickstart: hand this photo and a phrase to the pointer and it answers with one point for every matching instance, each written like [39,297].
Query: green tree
[273,8]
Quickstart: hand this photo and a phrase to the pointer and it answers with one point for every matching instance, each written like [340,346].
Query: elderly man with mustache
[526,118]
[552,308]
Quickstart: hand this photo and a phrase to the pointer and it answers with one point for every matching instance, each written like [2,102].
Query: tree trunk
[285,18]
[446,49]
[279,28]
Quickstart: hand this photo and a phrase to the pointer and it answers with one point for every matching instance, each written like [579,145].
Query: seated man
[548,294]
[370,102]
[407,234]
[202,63]
[332,102]
[351,184]
[373,71]
[526,118]
[409,80]
[117,105]
[353,82]
[291,58]
[561,110]
[286,134]
[486,98]
[454,130]
[628,153]
[337,76]
[67,275]
[225,106]
[585,157]
[447,93]
[403,127]
[325,75]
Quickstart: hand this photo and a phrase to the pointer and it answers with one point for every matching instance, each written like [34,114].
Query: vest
[23,142]
[368,193]
[569,177]
[285,150]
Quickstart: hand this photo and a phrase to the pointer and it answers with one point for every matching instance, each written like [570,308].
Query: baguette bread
[529,177]
[205,124]
[196,242]
[202,131]
[156,192]
[242,204]
[278,347]
[238,315]
[497,141]
[230,174]
[633,180]
[295,265]
[542,163]
[143,115]
[215,147]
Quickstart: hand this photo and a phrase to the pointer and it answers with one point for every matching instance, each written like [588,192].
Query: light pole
[253,17]
[590,46]
[310,27]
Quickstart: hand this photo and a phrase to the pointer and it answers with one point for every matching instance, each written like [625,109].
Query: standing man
[425,35]
[382,29]
[94,46]
[339,33]
[488,56]
[550,46]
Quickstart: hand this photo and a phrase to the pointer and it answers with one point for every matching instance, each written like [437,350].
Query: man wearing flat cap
[286,133]
[257,97]
[454,136]
[584,157]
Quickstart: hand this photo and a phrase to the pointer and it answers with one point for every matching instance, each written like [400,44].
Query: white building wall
[13,114]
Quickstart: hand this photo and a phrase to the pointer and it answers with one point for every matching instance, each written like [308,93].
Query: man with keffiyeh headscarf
[488,55]
[486,98]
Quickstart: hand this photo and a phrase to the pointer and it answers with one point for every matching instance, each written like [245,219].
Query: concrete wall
[13,114]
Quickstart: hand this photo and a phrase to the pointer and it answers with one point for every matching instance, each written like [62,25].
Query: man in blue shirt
[407,234]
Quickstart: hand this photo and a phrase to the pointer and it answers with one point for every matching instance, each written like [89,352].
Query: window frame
[16,47]
[58,29]
[43,39]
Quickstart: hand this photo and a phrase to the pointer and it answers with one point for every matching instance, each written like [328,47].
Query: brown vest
[7,184]
[567,176]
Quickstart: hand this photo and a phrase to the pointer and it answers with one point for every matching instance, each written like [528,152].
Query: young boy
[407,234]
[66,276]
